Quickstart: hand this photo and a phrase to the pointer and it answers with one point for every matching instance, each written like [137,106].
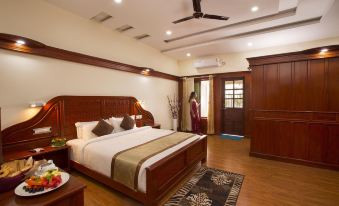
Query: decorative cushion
[116,122]
[102,128]
[127,123]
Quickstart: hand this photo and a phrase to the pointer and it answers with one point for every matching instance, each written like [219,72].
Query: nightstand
[59,155]
[155,125]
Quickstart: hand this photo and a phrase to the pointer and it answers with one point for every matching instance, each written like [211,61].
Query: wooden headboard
[61,113]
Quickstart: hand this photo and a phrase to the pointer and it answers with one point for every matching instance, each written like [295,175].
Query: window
[234,94]
[202,88]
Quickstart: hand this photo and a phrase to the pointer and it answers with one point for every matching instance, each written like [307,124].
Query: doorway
[233,106]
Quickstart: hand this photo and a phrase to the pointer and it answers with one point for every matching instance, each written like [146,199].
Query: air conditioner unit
[208,63]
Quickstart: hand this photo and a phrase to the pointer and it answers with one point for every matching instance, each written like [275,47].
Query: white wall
[237,61]
[25,78]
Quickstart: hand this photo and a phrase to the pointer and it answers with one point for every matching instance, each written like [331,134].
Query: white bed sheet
[97,153]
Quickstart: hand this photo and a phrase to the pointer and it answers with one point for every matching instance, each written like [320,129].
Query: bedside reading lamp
[37,104]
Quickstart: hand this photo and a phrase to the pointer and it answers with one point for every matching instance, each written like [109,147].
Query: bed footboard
[161,176]
[165,174]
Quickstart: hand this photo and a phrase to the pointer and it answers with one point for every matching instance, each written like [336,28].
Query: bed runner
[126,164]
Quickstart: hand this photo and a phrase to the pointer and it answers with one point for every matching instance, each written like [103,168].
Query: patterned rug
[209,187]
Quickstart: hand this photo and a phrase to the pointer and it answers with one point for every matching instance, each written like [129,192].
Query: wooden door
[233,109]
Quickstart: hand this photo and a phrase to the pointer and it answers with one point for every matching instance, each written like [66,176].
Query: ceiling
[276,23]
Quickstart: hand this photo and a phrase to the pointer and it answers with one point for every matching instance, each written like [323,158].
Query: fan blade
[183,19]
[196,5]
[211,16]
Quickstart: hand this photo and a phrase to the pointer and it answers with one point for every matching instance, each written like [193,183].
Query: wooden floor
[266,182]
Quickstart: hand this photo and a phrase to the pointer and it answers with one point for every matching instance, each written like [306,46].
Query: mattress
[97,153]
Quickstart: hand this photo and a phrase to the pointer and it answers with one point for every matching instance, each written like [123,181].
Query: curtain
[188,87]
[210,117]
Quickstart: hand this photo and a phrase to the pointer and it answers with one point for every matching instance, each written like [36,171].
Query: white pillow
[80,125]
[116,122]
[84,129]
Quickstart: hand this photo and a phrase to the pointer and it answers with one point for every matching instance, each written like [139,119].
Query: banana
[21,165]
[15,174]
[4,172]
[16,167]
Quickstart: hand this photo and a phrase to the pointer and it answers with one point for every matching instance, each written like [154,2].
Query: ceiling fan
[198,14]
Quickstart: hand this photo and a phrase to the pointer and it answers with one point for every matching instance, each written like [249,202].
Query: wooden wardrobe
[295,107]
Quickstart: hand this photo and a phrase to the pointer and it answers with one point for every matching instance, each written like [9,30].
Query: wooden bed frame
[61,113]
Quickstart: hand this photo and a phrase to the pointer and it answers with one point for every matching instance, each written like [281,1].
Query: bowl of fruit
[40,184]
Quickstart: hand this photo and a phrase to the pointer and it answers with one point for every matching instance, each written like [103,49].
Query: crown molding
[309,54]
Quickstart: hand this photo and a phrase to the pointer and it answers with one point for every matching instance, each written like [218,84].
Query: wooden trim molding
[314,53]
[8,42]
[239,73]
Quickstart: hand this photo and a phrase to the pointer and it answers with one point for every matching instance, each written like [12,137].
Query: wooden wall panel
[332,151]
[318,135]
[300,91]
[258,87]
[300,141]
[295,108]
[333,81]
[273,137]
[271,85]
[285,94]
[316,85]
[286,139]
[257,140]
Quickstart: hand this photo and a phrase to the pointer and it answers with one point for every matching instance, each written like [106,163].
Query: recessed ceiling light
[249,44]
[254,8]
[188,54]
[118,1]
[20,42]
[324,50]
[169,32]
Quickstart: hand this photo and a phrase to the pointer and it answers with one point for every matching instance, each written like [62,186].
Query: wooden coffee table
[70,194]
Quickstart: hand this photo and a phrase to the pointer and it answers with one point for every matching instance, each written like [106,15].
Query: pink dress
[195,117]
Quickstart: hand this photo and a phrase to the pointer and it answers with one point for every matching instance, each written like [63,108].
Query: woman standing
[194,111]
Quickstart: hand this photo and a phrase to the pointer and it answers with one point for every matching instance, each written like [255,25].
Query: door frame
[222,91]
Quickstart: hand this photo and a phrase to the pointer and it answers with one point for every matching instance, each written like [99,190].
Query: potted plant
[58,142]
[174,106]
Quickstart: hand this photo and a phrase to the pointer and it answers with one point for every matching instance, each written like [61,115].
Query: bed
[157,175]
